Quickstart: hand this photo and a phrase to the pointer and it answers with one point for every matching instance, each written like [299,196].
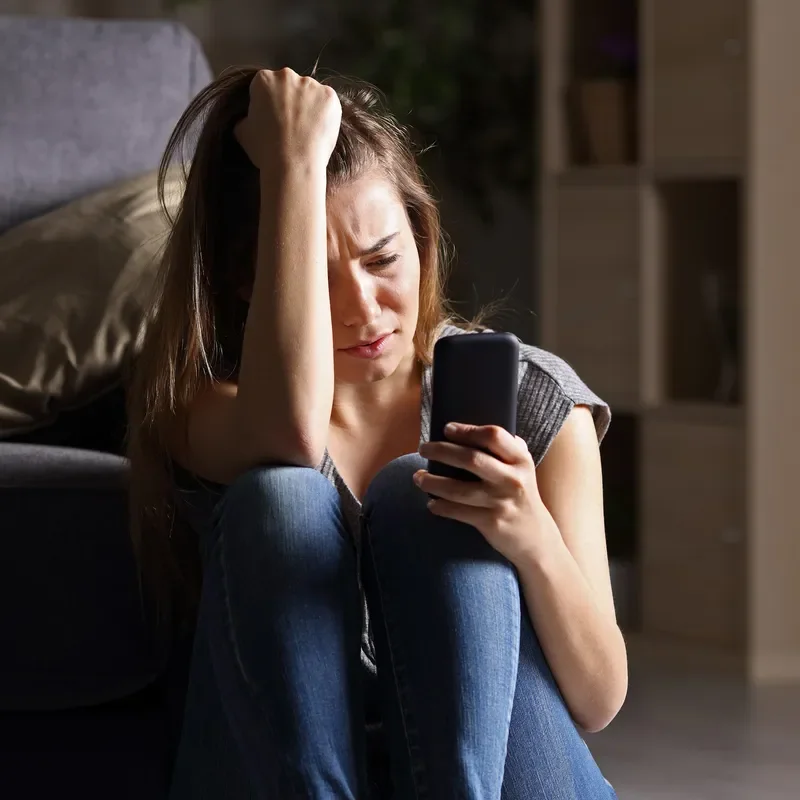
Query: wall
[773,364]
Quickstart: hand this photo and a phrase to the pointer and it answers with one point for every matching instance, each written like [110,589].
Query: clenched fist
[291,119]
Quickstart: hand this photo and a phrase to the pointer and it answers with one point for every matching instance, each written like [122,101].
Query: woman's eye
[384,262]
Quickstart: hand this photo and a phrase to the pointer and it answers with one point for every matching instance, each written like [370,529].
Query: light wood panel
[598,287]
[693,529]
[773,361]
[698,80]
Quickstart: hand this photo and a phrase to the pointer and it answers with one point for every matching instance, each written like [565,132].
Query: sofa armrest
[27,466]
[72,624]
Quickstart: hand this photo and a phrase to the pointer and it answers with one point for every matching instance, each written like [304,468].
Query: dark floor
[693,731]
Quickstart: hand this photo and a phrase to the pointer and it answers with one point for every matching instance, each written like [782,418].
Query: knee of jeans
[393,490]
[275,507]
[396,512]
[274,483]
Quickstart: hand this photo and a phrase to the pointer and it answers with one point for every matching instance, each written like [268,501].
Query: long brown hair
[195,329]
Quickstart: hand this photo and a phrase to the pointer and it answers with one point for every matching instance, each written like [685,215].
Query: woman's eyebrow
[379,245]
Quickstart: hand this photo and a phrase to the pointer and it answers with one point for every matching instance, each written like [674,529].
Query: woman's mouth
[369,350]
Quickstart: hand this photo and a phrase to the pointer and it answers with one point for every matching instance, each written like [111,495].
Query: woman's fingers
[484,450]
[291,119]
[483,465]
[469,493]
[479,518]
[498,441]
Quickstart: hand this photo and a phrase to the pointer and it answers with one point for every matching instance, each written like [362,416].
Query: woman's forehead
[365,209]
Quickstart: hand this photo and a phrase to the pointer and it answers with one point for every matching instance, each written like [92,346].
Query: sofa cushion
[86,103]
[75,285]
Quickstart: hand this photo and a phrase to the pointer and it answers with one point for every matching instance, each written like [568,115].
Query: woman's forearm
[582,642]
[286,374]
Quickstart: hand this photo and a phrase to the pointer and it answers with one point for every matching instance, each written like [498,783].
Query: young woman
[281,408]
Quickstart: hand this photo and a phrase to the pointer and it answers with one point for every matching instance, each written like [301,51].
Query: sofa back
[85,103]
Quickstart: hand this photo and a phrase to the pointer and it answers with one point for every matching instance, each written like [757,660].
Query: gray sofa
[88,707]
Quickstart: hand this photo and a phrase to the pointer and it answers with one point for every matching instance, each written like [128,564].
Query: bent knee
[274,483]
[278,507]
[396,513]
[393,491]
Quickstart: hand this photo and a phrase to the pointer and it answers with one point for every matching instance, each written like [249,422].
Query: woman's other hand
[505,505]
[292,119]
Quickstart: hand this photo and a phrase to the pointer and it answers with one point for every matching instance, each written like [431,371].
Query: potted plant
[460,72]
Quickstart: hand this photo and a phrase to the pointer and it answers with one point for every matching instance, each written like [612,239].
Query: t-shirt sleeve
[549,388]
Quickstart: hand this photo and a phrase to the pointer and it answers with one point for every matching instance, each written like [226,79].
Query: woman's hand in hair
[291,120]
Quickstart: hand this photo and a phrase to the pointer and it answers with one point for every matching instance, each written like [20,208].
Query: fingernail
[418,477]
[451,427]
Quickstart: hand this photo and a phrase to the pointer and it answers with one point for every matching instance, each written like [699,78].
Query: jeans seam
[513,692]
[547,753]
[420,791]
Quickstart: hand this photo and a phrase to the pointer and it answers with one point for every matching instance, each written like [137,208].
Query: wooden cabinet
[671,284]
[693,545]
[697,81]
[597,288]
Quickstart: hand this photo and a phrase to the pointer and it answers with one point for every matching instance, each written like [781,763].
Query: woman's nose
[354,301]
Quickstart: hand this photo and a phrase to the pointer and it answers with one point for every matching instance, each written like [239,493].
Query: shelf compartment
[700,251]
[601,91]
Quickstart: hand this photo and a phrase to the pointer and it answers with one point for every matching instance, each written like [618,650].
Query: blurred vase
[603,113]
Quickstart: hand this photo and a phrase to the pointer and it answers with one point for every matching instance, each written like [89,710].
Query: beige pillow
[74,286]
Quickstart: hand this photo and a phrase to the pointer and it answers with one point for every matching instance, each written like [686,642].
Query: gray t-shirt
[549,389]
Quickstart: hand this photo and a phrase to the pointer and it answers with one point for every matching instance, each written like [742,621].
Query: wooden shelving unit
[670,162]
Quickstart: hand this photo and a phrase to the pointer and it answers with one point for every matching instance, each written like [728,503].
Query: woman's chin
[367,371]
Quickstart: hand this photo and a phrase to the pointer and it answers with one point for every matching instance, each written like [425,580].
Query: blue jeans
[278,699]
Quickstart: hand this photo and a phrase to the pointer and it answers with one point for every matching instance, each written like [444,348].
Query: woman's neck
[360,405]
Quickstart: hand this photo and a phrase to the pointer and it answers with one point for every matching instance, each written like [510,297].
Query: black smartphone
[475,379]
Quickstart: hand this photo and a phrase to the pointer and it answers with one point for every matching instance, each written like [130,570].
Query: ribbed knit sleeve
[549,388]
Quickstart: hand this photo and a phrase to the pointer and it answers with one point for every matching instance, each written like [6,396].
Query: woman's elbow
[302,447]
[297,446]
[307,452]
[603,710]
